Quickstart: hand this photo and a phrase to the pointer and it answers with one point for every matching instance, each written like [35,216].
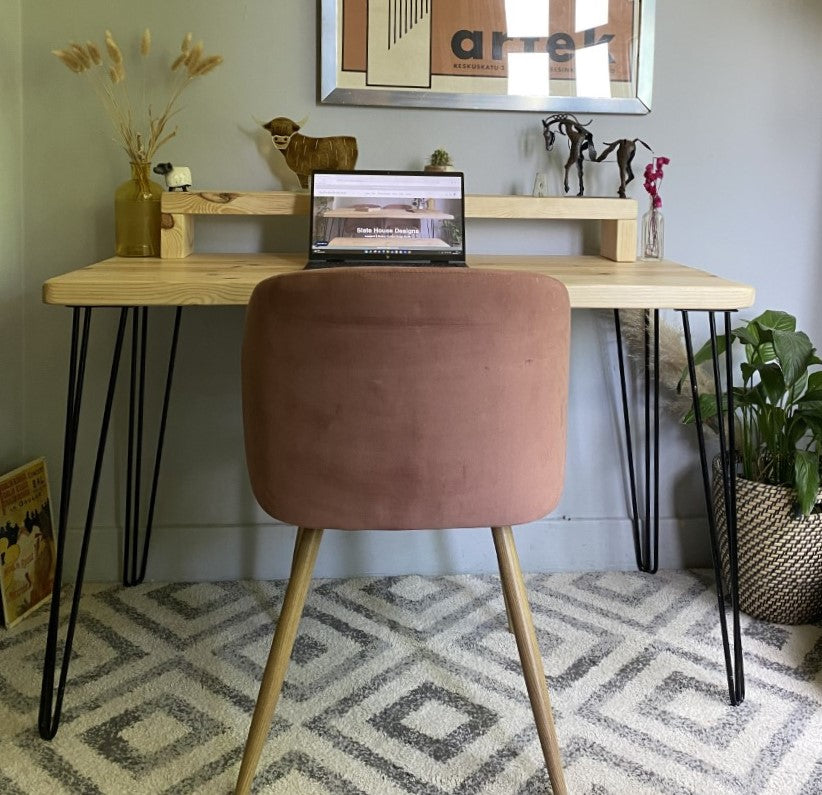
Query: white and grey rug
[413,685]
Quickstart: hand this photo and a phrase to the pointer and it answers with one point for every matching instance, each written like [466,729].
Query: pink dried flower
[653,175]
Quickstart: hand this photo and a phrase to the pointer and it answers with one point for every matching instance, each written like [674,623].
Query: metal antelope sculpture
[625,151]
[580,142]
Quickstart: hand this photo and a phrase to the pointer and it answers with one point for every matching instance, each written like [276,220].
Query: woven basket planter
[780,555]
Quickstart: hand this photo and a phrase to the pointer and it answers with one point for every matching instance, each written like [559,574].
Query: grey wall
[12,336]
[736,107]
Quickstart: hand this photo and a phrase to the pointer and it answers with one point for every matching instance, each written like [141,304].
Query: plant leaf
[749,335]
[799,387]
[748,371]
[806,479]
[810,402]
[814,425]
[773,381]
[753,397]
[707,409]
[795,429]
[764,353]
[776,321]
[793,350]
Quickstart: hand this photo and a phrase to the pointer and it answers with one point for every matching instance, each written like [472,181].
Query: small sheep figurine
[175,176]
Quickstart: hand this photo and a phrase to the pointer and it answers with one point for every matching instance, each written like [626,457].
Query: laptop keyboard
[374,264]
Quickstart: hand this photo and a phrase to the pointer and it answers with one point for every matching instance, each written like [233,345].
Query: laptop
[387,218]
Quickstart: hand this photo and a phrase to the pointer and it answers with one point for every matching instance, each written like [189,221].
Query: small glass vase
[137,215]
[653,235]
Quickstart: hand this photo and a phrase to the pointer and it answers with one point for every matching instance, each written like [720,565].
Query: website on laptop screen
[387,214]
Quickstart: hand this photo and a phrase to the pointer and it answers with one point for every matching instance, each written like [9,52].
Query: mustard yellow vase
[137,215]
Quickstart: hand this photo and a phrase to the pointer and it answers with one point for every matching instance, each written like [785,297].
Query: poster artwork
[27,549]
[424,44]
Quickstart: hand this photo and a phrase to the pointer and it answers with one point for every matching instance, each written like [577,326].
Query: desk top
[228,279]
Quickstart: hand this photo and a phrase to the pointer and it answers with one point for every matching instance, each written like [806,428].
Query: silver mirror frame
[330,93]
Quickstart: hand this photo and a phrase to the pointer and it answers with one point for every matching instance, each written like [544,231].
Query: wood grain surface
[228,279]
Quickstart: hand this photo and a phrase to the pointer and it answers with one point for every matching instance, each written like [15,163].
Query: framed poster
[593,56]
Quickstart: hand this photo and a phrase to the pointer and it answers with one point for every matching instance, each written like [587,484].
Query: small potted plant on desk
[440,160]
[778,430]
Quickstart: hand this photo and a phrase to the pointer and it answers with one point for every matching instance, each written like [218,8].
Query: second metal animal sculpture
[580,141]
[626,149]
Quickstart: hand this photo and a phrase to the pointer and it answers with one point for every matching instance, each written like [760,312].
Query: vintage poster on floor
[27,548]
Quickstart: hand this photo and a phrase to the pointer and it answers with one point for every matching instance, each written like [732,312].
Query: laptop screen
[387,216]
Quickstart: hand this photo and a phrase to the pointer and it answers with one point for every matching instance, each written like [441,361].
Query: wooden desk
[183,278]
[228,279]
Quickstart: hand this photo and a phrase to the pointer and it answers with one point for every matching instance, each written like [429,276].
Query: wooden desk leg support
[618,239]
[176,235]
[50,709]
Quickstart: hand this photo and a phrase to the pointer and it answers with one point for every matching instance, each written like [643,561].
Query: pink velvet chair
[401,399]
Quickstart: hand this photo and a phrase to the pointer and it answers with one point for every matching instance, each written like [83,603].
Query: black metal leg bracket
[645,527]
[727,588]
[50,708]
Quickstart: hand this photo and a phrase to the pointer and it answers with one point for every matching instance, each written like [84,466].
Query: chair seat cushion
[406,398]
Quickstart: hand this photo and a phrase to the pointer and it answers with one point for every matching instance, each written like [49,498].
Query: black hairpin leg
[134,466]
[725,592]
[645,530]
[49,713]
[50,709]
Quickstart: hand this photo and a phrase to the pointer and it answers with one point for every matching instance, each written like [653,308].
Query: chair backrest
[401,398]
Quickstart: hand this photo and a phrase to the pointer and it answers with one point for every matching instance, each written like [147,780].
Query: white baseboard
[208,553]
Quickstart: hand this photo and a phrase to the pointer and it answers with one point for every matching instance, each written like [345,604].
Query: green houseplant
[440,160]
[777,407]
[777,411]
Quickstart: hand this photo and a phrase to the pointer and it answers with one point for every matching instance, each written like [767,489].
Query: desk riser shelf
[617,217]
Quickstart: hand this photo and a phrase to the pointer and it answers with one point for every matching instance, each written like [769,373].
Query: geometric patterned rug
[413,685]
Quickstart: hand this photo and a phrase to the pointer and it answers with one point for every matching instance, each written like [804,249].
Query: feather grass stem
[140,140]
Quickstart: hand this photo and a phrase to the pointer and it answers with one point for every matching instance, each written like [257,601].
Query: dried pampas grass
[141,140]
[673,360]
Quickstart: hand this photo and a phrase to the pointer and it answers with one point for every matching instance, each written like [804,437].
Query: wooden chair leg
[298,538]
[305,555]
[519,614]
[508,612]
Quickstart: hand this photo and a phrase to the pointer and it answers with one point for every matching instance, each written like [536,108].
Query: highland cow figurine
[305,155]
